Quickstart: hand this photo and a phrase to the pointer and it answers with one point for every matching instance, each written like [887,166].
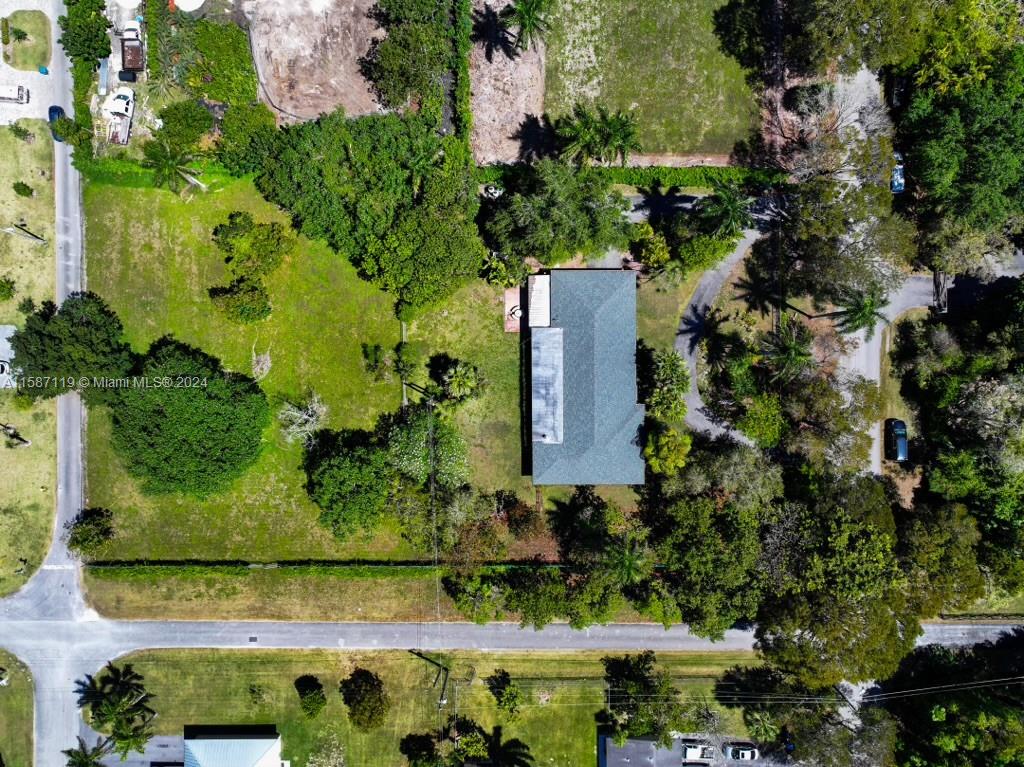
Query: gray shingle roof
[601,420]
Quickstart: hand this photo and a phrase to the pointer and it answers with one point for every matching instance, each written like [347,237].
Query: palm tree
[628,562]
[727,211]
[530,20]
[509,753]
[170,164]
[84,755]
[861,310]
[461,381]
[128,735]
[787,351]
[617,134]
[762,728]
[578,134]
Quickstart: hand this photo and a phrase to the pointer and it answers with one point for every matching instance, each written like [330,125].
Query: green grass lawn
[149,254]
[33,52]
[26,511]
[16,714]
[30,487]
[470,327]
[30,265]
[662,60]
[563,694]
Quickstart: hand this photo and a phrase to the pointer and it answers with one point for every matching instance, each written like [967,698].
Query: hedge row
[156,15]
[463,47]
[5,31]
[152,571]
[696,176]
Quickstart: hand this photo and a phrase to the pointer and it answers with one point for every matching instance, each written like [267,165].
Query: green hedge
[343,571]
[463,47]
[696,176]
[5,31]
[156,14]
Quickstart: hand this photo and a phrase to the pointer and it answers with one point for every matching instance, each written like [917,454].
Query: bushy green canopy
[194,427]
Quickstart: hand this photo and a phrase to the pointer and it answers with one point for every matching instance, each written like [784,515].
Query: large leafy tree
[247,137]
[84,30]
[400,203]
[837,606]
[642,701]
[706,526]
[83,339]
[964,726]
[409,62]
[367,700]
[351,488]
[965,147]
[194,427]
[560,212]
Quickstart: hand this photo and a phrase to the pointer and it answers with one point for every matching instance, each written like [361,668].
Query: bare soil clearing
[307,55]
[507,92]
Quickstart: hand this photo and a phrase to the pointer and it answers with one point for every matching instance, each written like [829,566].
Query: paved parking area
[44,90]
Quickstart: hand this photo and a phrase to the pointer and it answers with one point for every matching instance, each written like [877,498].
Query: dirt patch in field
[508,90]
[307,55]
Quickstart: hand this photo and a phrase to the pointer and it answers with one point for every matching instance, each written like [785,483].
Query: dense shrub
[22,189]
[223,68]
[763,420]
[7,288]
[398,201]
[184,123]
[84,30]
[350,487]
[247,138]
[312,697]
[368,703]
[88,532]
[194,428]
[244,300]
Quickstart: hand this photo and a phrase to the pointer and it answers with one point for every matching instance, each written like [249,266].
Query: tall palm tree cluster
[119,705]
[597,134]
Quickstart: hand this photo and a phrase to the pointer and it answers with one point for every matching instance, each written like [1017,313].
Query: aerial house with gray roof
[585,419]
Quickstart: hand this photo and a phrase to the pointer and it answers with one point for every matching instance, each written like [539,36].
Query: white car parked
[741,752]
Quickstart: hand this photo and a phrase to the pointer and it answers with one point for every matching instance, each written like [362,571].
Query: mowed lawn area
[470,327]
[29,264]
[16,714]
[29,490]
[34,51]
[150,255]
[662,60]
[563,694]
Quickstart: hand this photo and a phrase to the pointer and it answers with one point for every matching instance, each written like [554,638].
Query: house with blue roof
[584,415]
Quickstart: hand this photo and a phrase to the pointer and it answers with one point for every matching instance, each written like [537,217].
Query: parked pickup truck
[119,108]
[16,93]
[133,56]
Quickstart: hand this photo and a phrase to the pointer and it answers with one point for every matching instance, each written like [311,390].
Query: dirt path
[507,91]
